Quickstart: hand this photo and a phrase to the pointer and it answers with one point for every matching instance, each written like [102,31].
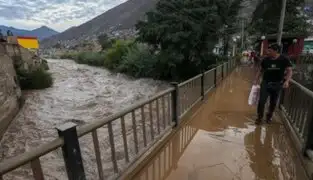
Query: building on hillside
[27,42]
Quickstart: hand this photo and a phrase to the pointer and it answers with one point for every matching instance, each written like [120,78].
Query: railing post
[281,98]
[215,76]
[202,85]
[175,103]
[223,71]
[309,139]
[71,152]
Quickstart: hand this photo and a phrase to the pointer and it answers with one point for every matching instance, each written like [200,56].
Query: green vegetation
[175,42]
[105,41]
[90,58]
[37,78]
[185,32]
[266,17]
[227,11]
[138,61]
[114,55]
[69,56]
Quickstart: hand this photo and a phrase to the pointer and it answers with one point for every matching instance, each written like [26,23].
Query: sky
[56,14]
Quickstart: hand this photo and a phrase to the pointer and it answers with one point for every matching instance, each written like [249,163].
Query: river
[81,94]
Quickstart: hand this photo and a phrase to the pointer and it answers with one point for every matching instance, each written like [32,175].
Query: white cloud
[57,14]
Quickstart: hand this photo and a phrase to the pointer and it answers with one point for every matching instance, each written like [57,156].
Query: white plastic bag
[254,95]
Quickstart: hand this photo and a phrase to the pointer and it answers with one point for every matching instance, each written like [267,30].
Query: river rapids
[80,94]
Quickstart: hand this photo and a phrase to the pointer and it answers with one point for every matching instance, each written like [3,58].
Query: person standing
[276,70]
[252,56]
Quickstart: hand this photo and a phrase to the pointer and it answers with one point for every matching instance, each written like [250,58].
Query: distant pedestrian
[9,33]
[252,56]
[277,71]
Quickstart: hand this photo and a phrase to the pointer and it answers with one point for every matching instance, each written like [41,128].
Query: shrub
[138,61]
[37,79]
[105,41]
[90,58]
[69,56]
[115,54]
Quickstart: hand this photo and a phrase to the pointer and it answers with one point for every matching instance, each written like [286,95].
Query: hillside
[42,32]
[118,21]
[121,17]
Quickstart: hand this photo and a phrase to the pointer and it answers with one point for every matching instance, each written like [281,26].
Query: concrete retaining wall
[10,92]
[29,60]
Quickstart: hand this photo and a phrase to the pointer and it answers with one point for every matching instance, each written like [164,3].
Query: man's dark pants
[272,90]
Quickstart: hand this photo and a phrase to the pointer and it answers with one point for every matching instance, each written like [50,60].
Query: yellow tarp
[31,43]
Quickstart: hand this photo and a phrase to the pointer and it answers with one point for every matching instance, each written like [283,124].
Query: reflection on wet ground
[221,142]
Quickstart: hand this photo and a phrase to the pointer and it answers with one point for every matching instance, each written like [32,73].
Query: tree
[184,32]
[266,16]
[104,41]
[228,11]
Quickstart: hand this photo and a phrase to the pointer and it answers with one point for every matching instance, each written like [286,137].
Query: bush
[115,54]
[138,61]
[90,58]
[37,79]
[105,41]
[69,56]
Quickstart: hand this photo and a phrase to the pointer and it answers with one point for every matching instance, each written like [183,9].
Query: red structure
[293,44]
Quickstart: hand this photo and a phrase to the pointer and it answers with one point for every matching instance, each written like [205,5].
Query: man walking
[277,72]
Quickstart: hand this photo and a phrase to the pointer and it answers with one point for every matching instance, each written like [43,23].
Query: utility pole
[281,22]
[242,33]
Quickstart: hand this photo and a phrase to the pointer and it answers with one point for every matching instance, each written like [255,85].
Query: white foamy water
[81,94]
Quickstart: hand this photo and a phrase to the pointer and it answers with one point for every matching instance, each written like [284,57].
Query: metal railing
[167,159]
[119,140]
[305,59]
[297,106]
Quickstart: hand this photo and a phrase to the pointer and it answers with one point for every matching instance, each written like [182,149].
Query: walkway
[221,142]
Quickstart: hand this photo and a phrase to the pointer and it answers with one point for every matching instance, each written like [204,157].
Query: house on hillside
[27,42]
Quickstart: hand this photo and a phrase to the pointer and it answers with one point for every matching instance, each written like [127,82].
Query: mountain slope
[44,32]
[123,16]
[41,33]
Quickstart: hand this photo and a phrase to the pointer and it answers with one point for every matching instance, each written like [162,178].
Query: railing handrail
[205,73]
[87,128]
[24,158]
[189,80]
[304,89]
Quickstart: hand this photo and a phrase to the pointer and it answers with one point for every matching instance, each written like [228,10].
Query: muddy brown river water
[81,94]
